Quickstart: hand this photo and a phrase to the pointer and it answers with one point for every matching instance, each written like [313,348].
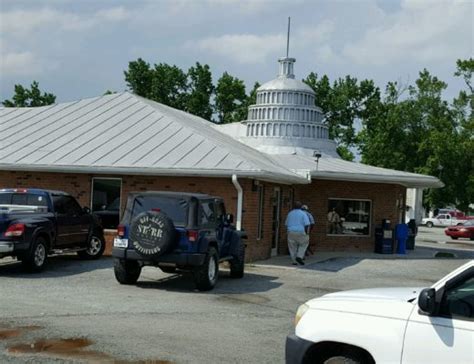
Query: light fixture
[317,155]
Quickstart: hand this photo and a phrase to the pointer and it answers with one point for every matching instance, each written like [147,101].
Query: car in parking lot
[177,232]
[466,230]
[389,325]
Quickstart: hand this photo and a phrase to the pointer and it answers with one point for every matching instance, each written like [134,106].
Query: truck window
[29,199]
[458,301]
[66,205]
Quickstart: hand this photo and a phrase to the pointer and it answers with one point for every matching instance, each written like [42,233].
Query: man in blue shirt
[297,225]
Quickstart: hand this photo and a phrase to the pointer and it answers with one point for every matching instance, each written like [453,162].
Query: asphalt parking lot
[75,311]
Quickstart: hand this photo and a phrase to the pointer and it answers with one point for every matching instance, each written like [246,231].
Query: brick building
[100,149]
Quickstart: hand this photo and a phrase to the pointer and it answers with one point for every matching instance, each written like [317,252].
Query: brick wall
[315,195]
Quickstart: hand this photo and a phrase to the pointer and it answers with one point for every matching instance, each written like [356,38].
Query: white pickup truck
[389,325]
[442,220]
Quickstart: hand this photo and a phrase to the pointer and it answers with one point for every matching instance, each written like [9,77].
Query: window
[176,208]
[458,300]
[207,213]
[66,205]
[261,200]
[348,217]
[106,200]
[28,199]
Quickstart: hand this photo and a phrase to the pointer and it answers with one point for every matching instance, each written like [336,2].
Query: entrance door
[276,212]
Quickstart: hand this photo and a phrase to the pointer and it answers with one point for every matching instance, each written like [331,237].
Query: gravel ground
[162,319]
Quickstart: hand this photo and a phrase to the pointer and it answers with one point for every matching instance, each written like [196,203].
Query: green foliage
[24,97]
[190,91]
[169,86]
[345,153]
[230,96]
[200,91]
[423,133]
[139,77]
[344,103]
[241,112]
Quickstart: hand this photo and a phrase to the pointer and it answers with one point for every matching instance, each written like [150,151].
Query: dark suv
[177,232]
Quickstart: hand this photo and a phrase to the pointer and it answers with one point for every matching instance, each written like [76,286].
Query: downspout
[240,195]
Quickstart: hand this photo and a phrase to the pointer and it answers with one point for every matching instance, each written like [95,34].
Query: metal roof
[126,134]
[339,169]
[284,84]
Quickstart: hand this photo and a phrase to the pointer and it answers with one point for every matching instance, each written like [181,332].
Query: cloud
[26,22]
[243,48]
[20,64]
[440,31]
[253,49]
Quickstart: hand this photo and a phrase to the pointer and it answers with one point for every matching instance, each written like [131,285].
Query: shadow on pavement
[57,266]
[332,264]
[183,282]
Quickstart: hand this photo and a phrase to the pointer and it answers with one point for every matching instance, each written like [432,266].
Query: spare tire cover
[152,233]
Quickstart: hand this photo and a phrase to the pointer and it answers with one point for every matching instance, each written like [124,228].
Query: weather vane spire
[288,38]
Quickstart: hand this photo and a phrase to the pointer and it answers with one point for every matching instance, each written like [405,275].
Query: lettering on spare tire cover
[148,230]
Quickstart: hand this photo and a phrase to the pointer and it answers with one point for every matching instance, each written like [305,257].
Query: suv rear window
[29,199]
[175,208]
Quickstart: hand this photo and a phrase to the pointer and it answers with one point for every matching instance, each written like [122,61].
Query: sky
[79,49]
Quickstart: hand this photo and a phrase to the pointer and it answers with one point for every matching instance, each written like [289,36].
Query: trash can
[401,235]
[384,238]
[412,232]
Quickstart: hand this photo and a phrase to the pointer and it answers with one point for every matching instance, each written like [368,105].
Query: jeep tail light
[121,231]
[156,209]
[15,230]
[193,235]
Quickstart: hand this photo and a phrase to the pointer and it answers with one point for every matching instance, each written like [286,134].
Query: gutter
[240,195]
[411,182]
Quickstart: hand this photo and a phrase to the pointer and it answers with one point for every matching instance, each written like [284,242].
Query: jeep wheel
[205,276]
[36,258]
[237,264]
[429,224]
[127,271]
[95,248]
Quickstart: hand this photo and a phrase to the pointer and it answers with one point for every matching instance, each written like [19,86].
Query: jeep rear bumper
[178,259]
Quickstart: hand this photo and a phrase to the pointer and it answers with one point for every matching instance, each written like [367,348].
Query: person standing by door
[334,221]
[297,225]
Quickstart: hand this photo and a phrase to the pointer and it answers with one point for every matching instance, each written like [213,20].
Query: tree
[345,104]
[139,77]
[241,112]
[415,130]
[169,86]
[200,91]
[24,97]
[230,96]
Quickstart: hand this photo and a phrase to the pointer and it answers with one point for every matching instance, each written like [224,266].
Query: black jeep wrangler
[177,232]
